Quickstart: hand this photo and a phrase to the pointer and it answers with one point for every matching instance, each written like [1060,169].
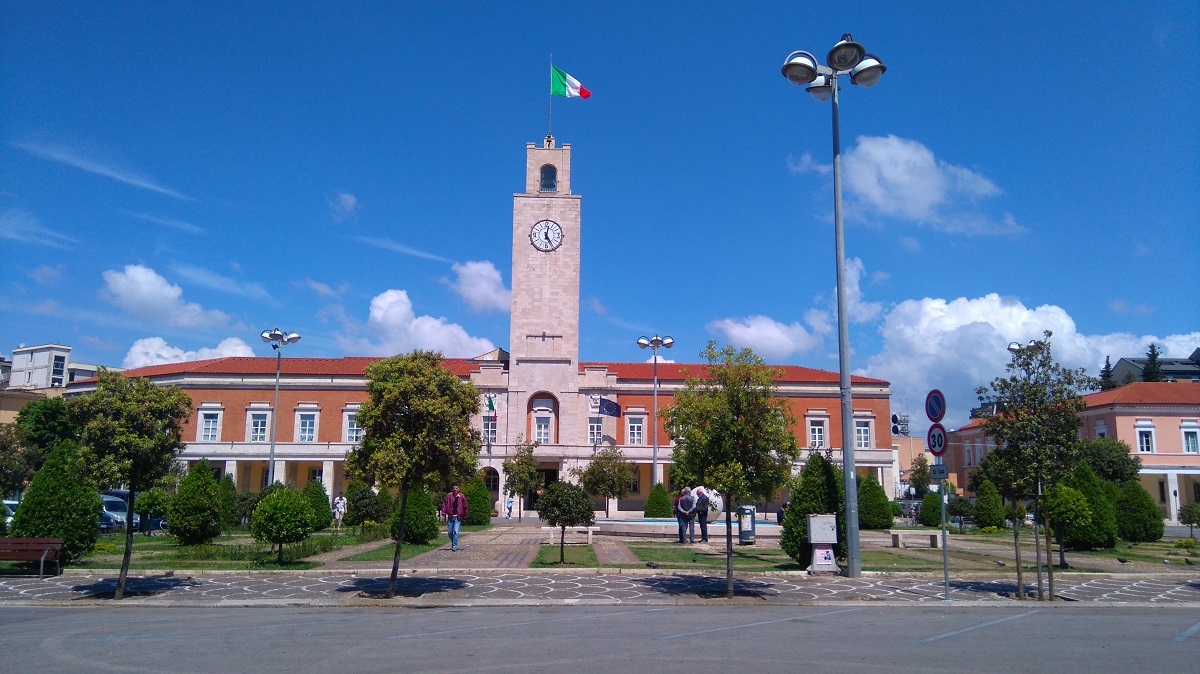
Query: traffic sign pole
[945,548]
[935,440]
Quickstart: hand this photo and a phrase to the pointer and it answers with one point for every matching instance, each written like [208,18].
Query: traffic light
[895,424]
[900,424]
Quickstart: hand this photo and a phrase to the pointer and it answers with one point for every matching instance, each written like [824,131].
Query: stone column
[327,479]
[231,471]
[1173,496]
[281,471]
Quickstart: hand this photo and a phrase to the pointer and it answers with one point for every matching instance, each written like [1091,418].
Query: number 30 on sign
[935,439]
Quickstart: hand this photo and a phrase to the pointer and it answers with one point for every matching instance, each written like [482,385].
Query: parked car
[112,514]
[12,510]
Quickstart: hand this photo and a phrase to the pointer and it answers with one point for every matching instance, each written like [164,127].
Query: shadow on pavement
[135,586]
[707,587]
[376,588]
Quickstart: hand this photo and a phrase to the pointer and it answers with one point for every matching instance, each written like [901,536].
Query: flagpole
[550,115]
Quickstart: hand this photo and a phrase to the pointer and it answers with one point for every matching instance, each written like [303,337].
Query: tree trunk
[521,506]
[1049,558]
[728,551]
[120,592]
[399,541]
[1037,554]
[281,554]
[562,546]
[1017,550]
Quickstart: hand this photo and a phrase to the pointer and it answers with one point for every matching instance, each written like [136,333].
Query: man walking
[339,509]
[685,509]
[454,509]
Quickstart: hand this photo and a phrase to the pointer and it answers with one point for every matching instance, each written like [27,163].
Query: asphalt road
[610,639]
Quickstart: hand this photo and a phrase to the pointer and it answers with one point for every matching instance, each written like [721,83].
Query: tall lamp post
[277,339]
[801,68]
[653,343]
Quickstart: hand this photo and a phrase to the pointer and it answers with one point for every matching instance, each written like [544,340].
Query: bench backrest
[22,544]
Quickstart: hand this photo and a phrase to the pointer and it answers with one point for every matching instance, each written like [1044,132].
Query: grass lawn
[576,555]
[745,558]
[1154,552]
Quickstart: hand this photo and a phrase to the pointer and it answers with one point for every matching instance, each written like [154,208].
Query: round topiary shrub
[420,520]
[1189,515]
[283,516]
[1138,518]
[318,499]
[989,508]
[195,515]
[479,502]
[61,502]
[931,510]
[874,509]
[658,503]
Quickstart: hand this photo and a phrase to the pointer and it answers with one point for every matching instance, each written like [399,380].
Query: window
[637,427]
[595,430]
[541,429]
[315,474]
[308,427]
[1162,491]
[56,373]
[492,479]
[354,432]
[1145,441]
[1196,491]
[1191,438]
[862,434]
[816,434]
[258,427]
[549,179]
[209,427]
[489,428]
[634,486]
[1101,430]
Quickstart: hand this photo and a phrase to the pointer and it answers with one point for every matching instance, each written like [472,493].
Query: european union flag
[610,407]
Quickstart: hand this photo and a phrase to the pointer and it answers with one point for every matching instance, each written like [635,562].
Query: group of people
[691,506]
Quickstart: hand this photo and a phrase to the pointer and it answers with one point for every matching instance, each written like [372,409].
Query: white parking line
[765,622]
[1183,636]
[977,627]
[508,625]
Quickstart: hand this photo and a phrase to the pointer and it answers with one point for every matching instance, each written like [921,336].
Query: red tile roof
[681,371]
[1161,393]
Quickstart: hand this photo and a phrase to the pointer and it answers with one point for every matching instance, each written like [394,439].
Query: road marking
[977,627]
[508,625]
[1183,636]
[765,622]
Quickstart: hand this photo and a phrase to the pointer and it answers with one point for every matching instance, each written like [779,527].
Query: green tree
[732,433]
[46,422]
[283,516]
[1190,515]
[195,513]
[1107,382]
[479,501]
[61,502]
[931,510]
[989,509]
[151,504]
[607,475]
[421,522]
[1035,427]
[817,490]
[385,506]
[918,477]
[1070,516]
[362,505]
[318,500]
[1110,459]
[1099,529]
[18,459]
[520,473]
[416,430]
[961,508]
[658,502]
[1152,370]
[565,505]
[874,508]
[227,503]
[131,432]
[1138,518]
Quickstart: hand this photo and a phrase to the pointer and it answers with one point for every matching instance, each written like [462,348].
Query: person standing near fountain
[702,513]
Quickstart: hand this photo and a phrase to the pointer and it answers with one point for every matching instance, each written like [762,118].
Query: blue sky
[174,180]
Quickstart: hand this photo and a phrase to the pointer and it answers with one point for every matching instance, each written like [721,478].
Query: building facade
[539,390]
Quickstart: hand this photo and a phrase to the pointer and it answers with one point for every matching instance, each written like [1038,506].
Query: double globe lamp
[277,339]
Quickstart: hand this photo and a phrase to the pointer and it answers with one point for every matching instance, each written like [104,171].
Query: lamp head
[1014,348]
[800,68]
[266,336]
[845,55]
[667,341]
[643,342]
[821,88]
[868,72]
[292,338]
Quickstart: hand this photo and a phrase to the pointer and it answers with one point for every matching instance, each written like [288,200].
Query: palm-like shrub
[61,502]
[283,516]
[195,514]
[658,503]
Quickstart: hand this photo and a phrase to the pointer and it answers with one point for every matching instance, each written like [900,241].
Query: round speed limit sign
[935,440]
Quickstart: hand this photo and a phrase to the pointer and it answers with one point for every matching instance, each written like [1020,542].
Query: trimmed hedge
[1138,517]
[318,500]
[479,502]
[1099,529]
[874,508]
[658,503]
[989,507]
[931,510]
[420,520]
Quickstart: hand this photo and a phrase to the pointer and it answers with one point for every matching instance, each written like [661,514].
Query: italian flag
[562,84]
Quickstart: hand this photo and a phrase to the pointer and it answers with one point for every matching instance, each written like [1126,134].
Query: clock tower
[545,261]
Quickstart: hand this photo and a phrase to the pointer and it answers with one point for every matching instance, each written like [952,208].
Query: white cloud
[48,274]
[957,345]
[901,178]
[394,328]
[142,293]
[388,244]
[214,281]
[168,222]
[480,285]
[343,206]
[769,338]
[910,244]
[324,289]
[23,226]
[73,158]
[156,351]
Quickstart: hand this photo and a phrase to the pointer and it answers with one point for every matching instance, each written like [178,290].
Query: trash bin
[745,525]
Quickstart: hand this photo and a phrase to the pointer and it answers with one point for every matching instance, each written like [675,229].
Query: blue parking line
[1184,635]
[765,622]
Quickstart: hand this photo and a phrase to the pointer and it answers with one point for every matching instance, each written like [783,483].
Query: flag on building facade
[610,408]
[562,84]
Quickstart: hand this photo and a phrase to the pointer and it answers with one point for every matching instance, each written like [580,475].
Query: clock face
[546,235]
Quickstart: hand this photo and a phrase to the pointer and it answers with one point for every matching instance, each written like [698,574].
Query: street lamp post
[801,68]
[653,343]
[277,339]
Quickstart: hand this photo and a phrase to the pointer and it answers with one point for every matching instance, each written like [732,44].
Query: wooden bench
[32,549]
[899,536]
[588,530]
